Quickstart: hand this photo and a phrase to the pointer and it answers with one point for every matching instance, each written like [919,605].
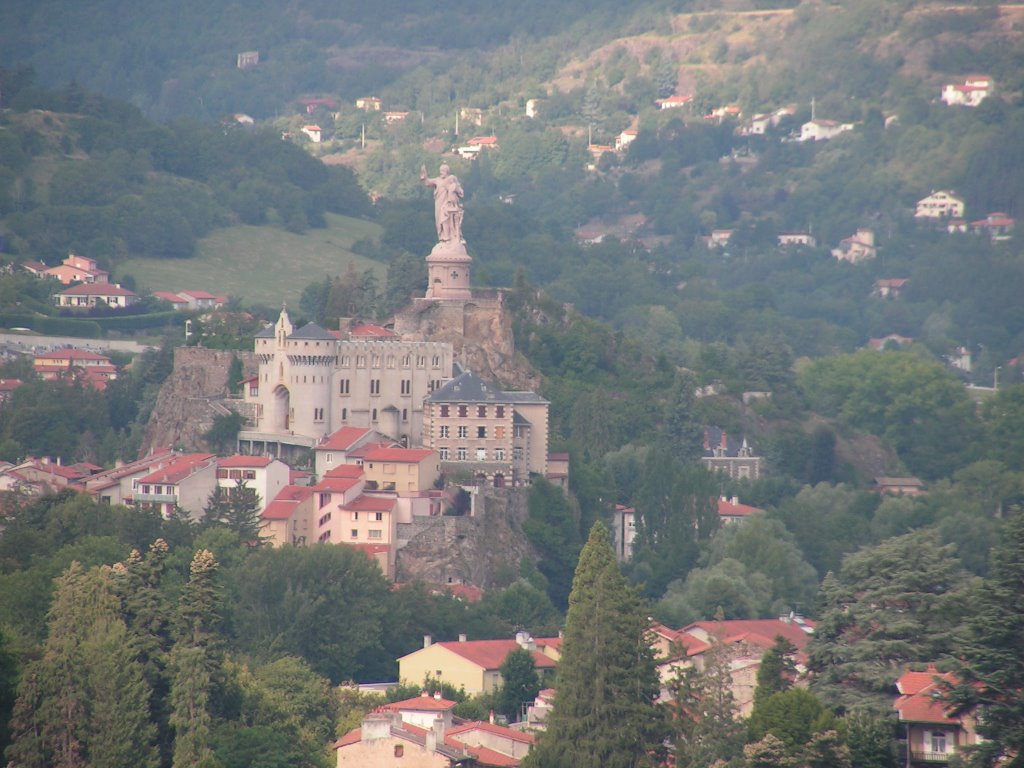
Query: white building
[312,382]
[939,205]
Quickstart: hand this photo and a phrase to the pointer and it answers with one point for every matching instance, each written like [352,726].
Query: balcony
[155,498]
[918,756]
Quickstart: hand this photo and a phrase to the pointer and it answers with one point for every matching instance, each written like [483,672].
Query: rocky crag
[193,396]
[475,549]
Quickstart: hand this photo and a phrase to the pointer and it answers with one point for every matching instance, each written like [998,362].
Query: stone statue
[447,204]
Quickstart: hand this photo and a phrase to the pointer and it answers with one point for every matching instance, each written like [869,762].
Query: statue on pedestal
[447,204]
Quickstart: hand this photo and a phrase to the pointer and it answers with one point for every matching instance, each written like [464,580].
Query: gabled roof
[408,455]
[422,703]
[72,354]
[97,289]
[727,508]
[371,504]
[923,699]
[169,296]
[337,484]
[284,504]
[491,654]
[343,440]
[313,332]
[249,462]
[344,470]
[267,332]
[760,632]
[178,470]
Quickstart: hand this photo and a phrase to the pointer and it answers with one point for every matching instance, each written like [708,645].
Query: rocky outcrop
[480,332]
[468,550]
[194,395]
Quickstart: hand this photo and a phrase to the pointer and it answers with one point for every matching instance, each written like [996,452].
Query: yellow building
[474,664]
[403,470]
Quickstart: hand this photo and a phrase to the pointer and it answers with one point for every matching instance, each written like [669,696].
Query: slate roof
[470,388]
[266,333]
[313,332]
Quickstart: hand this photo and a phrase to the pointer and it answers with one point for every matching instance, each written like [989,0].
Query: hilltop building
[312,382]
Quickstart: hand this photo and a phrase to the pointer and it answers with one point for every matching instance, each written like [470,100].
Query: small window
[481,454]
[399,750]
[445,430]
[499,411]
[460,454]
[463,411]
[481,431]
[444,411]
[373,534]
[355,533]
[481,411]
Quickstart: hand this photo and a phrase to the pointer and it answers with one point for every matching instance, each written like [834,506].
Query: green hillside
[261,265]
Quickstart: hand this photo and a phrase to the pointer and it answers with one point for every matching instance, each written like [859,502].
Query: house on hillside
[74,364]
[185,484]
[368,104]
[730,511]
[476,145]
[91,295]
[673,102]
[745,640]
[725,454]
[898,486]
[939,205]
[475,664]
[263,474]
[891,341]
[969,92]
[77,269]
[312,131]
[888,287]
[623,532]
[933,733]
[790,239]
[823,130]
[857,248]
[997,226]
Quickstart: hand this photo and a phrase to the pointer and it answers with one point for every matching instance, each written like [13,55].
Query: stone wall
[467,550]
[195,394]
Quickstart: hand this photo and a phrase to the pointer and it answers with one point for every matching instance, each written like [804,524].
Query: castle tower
[448,271]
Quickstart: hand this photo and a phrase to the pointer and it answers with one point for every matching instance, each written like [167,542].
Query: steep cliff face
[480,332]
[468,550]
[195,393]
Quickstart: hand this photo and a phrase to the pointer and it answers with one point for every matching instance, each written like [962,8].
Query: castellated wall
[467,550]
[194,394]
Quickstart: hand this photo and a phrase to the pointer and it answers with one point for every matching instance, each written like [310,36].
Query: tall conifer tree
[605,712]
[194,664]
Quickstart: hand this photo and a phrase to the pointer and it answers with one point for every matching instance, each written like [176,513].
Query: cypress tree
[605,710]
[777,671]
[195,663]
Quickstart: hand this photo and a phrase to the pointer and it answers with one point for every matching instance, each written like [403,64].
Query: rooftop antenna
[812,108]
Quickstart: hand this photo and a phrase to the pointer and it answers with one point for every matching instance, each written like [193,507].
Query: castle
[410,385]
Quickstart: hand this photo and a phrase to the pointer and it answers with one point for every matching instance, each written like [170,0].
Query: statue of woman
[447,204]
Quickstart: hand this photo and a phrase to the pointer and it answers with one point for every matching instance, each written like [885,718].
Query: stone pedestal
[448,272]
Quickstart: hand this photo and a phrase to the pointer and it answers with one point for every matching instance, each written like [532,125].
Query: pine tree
[520,683]
[86,700]
[236,508]
[892,604]
[606,687]
[195,663]
[991,671]
[777,671]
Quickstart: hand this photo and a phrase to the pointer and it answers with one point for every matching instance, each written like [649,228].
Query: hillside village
[686,431]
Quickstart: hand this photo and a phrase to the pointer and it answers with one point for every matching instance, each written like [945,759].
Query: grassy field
[260,265]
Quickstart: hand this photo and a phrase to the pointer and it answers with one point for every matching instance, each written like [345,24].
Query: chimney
[427,641]
[724,443]
[435,736]
[375,726]
[491,718]
[462,637]
[437,695]
[522,638]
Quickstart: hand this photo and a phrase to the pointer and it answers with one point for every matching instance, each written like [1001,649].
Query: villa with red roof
[185,483]
[933,733]
[337,448]
[265,475]
[474,664]
[746,641]
[731,511]
[75,364]
[90,295]
[77,269]
[118,485]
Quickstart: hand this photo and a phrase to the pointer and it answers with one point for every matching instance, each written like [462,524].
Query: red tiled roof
[493,728]
[923,699]
[758,631]
[491,654]
[362,450]
[727,509]
[372,331]
[423,703]
[336,484]
[239,460]
[6,385]
[178,470]
[410,455]
[97,289]
[169,296]
[345,470]
[287,499]
[199,295]
[372,504]
[343,439]
[352,737]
